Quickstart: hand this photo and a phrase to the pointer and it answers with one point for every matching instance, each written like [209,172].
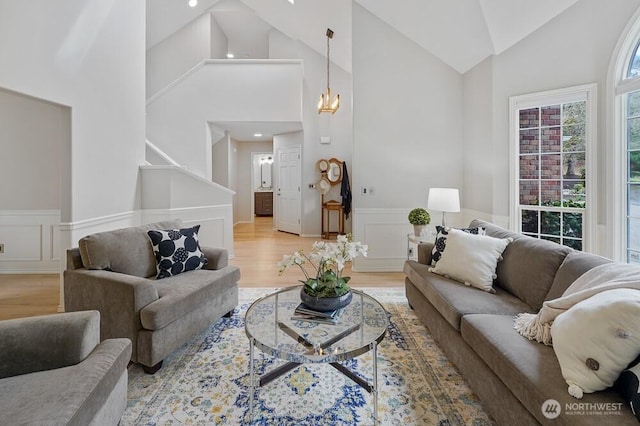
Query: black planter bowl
[325,304]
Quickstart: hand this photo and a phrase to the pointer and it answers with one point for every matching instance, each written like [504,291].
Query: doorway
[262,184]
[288,193]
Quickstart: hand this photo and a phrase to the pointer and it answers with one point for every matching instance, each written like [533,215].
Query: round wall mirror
[334,173]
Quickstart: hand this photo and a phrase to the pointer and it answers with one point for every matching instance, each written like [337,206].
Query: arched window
[632,163]
[634,64]
[625,165]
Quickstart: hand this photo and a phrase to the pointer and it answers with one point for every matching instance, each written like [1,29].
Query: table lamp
[444,200]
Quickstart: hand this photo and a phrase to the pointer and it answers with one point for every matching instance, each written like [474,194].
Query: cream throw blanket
[601,278]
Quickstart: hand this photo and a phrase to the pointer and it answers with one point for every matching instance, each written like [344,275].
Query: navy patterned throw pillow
[441,240]
[176,251]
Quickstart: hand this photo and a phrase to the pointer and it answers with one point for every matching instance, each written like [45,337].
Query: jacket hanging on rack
[345,191]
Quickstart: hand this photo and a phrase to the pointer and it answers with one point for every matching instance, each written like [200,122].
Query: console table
[328,207]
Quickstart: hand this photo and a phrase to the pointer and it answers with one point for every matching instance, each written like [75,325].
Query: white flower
[325,256]
[342,239]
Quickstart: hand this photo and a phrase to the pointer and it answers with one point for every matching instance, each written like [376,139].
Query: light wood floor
[257,249]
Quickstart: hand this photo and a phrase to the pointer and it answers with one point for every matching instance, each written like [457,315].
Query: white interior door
[288,192]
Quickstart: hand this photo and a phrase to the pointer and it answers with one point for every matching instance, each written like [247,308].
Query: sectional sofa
[512,375]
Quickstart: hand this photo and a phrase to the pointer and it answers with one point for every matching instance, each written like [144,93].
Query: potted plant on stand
[325,289]
[419,218]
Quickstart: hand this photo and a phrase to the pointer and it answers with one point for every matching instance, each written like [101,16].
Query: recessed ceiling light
[257,135]
[230,55]
[291,1]
[193,3]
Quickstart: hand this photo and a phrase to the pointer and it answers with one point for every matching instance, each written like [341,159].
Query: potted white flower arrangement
[324,286]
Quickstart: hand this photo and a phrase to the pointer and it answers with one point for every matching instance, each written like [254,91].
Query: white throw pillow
[471,259]
[441,240]
[597,338]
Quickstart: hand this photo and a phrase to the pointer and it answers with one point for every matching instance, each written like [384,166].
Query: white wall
[218,40]
[408,133]
[407,119]
[32,141]
[173,192]
[221,90]
[575,48]
[220,161]
[175,55]
[34,136]
[89,56]
[339,126]
[478,156]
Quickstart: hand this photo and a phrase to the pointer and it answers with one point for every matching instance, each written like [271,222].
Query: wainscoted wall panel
[393,246]
[385,232]
[55,243]
[25,243]
[216,222]
[31,240]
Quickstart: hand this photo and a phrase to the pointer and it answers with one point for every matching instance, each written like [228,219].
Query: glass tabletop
[268,322]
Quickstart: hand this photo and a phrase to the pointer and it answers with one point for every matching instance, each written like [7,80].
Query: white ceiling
[461,33]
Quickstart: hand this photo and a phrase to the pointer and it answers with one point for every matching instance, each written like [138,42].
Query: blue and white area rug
[206,382]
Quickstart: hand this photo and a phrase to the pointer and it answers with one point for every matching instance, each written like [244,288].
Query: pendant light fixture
[325,104]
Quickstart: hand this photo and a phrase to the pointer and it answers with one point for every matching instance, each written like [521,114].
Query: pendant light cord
[328,38]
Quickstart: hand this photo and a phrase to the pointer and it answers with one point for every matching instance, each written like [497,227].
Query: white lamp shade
[444,199]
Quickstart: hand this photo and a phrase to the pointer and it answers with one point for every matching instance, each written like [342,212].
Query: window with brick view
[552,172]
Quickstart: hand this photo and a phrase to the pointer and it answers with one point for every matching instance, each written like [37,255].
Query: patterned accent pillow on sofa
[441,240]
[177,251]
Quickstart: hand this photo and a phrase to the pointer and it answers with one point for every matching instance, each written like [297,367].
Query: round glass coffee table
[358,329]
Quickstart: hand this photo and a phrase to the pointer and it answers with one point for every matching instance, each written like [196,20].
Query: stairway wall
[221,90]
[168,60]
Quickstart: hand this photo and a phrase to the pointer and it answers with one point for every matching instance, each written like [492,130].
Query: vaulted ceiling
[462,33]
